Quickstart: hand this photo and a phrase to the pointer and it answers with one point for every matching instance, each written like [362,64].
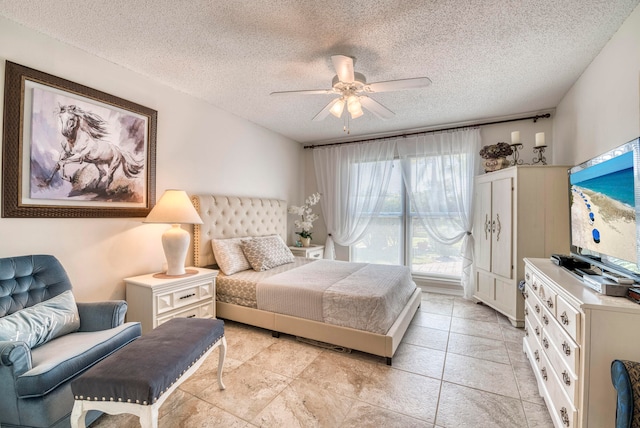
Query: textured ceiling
[486,58]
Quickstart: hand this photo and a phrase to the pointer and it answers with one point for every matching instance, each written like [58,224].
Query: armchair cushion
[67,356]
[41,322]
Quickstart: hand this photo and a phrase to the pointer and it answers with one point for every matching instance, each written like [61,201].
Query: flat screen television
[605,210]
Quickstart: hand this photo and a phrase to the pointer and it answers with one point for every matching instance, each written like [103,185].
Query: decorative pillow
[42,322]
[229,255]
[267,252]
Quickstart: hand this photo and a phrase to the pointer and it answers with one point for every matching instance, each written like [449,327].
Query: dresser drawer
[560,406]
[568,349]
[569,318]
[535,305]
[548,297]
[568,379]
[171,300]
[532,322]
[533,349]
[205,310]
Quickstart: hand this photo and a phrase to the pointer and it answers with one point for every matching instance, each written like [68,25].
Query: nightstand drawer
[312,252]
[176,299]
[202,311]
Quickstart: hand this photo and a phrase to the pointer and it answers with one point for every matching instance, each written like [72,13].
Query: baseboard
[452,288]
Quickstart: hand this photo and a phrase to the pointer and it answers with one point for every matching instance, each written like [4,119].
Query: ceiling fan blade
[325,111]
[397,85]
[307,92]
[376,108]
[344,67]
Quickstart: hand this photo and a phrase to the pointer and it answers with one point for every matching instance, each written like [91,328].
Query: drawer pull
[526,311]
[186,296]
[537,331]
[526,294]
[566,378]
[527,276]
[564,414]
[526,331]
[545,343]
[536,354]
[566,348]
[545,319]
[537,308]
[534,286]
[550,303]
[564,318]
[191,316]
[543,371]
[315,256]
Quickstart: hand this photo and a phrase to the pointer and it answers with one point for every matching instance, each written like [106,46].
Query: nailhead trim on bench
[144,403]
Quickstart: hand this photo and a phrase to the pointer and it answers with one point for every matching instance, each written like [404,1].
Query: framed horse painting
[73,151]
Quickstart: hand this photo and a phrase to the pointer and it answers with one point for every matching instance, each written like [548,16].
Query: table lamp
[175,208]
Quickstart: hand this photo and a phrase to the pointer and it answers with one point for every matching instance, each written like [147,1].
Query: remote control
[618,278]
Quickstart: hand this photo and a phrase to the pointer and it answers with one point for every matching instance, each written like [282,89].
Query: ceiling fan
[353,90]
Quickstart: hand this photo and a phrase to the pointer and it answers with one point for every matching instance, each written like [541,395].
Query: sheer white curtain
[438,171]
[352,180]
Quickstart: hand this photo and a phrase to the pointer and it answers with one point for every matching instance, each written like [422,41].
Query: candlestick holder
[540,151]
[516,156]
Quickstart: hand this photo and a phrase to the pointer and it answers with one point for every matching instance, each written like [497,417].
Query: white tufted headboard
[234,217]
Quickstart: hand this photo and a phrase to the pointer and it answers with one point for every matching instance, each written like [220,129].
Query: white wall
[602,109]
[200,149]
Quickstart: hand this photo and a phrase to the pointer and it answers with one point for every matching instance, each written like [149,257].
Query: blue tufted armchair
[35,378]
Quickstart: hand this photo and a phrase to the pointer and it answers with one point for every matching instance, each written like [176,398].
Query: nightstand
[155,298]
[311,252]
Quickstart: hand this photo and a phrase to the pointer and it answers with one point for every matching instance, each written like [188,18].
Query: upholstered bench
[139,377]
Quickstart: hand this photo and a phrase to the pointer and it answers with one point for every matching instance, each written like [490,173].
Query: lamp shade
[174,207]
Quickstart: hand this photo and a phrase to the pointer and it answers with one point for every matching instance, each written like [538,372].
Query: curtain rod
[535,119]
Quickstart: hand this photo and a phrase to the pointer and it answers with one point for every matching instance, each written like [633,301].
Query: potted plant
[495,156]
[307,217]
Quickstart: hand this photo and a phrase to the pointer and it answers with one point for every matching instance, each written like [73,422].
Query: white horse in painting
[84,132]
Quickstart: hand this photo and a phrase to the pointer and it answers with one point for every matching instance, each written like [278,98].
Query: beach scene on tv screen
[603,208]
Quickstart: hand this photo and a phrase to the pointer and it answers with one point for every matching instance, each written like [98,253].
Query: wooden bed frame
[231,217]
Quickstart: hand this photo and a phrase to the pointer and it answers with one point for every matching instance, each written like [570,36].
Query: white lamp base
[175,242]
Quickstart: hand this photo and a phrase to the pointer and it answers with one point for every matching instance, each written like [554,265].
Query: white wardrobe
[521,211]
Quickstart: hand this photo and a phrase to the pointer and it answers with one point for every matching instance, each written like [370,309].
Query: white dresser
[522,211]
[155,298]
[572,334]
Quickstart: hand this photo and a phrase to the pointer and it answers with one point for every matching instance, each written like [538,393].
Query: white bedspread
[363,296]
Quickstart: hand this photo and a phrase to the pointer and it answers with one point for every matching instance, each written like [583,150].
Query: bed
[227,217]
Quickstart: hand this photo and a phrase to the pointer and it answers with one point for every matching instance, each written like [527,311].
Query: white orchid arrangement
[307,216]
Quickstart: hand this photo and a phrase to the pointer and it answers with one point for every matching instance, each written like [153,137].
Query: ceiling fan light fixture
[337,108]
[354,106]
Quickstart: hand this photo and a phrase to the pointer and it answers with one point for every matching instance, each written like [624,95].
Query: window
[397,236]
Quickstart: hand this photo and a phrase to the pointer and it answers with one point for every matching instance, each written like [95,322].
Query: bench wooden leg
[221,357]
[149,417]
[77,415]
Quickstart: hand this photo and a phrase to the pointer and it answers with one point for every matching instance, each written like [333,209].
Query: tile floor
[460,364]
